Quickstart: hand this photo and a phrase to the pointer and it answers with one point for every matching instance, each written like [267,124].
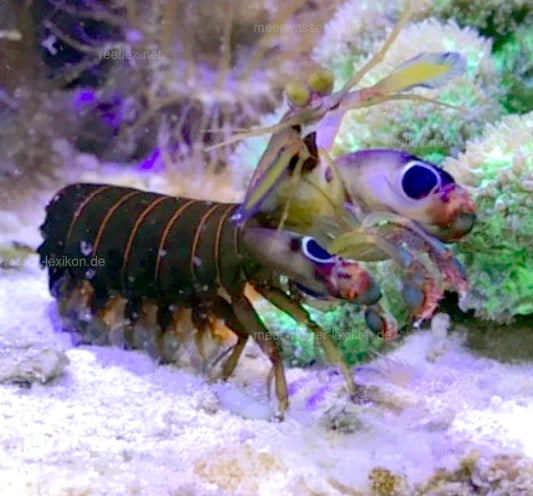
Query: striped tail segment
[139,243]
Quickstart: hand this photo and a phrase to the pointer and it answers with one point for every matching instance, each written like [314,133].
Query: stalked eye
[314,252]
[419,180]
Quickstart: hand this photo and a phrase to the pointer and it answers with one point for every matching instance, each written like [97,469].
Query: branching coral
[510,25]
[498,169]
[427,130]
[514,59]
[490,17]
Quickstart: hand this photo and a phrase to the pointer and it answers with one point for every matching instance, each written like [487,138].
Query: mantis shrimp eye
[419,180]
[314,252]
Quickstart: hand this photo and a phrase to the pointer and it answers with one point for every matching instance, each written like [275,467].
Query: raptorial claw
[429,266]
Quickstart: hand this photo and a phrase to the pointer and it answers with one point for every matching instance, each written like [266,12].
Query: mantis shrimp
[306,216]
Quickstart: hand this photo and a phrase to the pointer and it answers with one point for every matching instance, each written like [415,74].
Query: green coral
[498,254]
[491,17]
[358,25]
[423,129]
[514,59]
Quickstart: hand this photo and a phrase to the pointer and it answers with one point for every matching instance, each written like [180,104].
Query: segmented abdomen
[139,244]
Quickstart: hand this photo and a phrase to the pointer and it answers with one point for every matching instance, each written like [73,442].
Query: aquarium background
[135,93]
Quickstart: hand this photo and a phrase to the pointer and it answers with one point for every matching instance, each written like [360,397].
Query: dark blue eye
[314,252]
[419,180]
